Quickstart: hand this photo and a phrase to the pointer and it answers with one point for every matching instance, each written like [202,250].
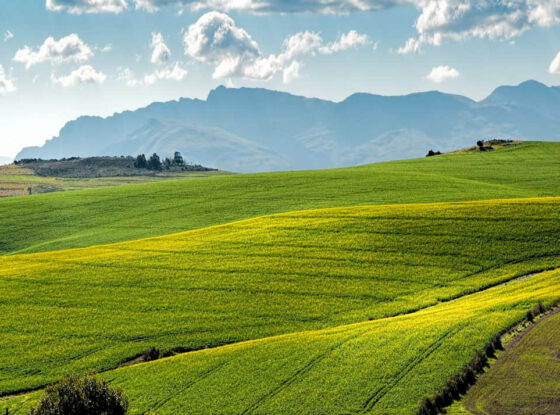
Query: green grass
[15,181]
[83,218]
[92,308]
[377,367]
[525,380]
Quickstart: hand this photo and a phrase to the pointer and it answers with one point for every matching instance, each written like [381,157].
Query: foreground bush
[81,396]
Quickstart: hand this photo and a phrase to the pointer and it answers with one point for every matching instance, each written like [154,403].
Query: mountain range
[252,129]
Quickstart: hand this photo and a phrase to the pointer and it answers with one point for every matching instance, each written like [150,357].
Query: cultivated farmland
[83,218]
[378,367]
[93,308]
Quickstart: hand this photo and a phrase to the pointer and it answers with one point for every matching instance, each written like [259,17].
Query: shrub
[151,353]
[81,396]
[529,316]
[427,407]
[497,343]
[538,309]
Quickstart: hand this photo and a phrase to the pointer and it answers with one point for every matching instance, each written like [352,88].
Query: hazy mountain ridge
[252,129]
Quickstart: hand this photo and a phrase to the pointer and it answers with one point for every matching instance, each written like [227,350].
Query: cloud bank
[83,75]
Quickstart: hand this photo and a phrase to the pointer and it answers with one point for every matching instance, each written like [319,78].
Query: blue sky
[63,58]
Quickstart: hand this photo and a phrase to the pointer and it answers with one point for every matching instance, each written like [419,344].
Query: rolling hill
[378,367]
[82,218]
[93,308]
[250,130]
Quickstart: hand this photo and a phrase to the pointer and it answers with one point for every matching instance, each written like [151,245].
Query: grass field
[525,380]
[380,367]
[82,218]
[92,308]
[16,180]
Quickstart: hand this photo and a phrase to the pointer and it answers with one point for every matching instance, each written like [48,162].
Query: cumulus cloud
[6,83]
[8,35]
[349,40]
[171,73]
[87,6]
[216,39]
[160,51]
[554,67]
[441,73]
[274,6]
[453,20]
[291,72]
[83,75]
[67,49]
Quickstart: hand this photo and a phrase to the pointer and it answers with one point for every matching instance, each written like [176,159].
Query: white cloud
[160,51]
[274,6]
[172,73]
[441,73]
[453,20]
[291,72]
[127,77]
[346,41]
[8,35]
[107,48]
[87,6]
[216,39]
[554,67]
[6,83]
[83,75]
[67,49]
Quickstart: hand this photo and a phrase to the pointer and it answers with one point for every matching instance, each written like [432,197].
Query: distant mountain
[250,129]
[5,160]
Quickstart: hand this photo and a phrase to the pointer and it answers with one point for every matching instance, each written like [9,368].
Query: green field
[378,367]
[16,180]
[365,302]
[92,308]
[83,218]
[525,379]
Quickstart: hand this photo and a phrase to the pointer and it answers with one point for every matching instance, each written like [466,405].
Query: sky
[60,59]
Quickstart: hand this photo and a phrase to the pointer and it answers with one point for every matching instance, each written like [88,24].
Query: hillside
[82,218]
[95,307]
[252,130]
[378,367]
[55,176]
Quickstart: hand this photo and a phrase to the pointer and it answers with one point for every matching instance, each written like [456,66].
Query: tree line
[155,163]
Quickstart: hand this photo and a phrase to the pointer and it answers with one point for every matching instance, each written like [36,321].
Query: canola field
[86,309]
[383,366]
[97,216]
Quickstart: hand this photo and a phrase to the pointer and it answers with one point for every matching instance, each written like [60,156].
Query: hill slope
[377,367]
[252,130]
[82,218]
[92,308]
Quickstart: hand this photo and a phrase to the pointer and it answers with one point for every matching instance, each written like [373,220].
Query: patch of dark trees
[480,146]
[458,384]
[155,163]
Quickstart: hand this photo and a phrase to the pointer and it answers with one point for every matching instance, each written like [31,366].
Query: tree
[167,163]
[154,163]
[480,144]
[178,159]
[140,162]
[81,396]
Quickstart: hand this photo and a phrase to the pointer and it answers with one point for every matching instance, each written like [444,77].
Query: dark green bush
[529,316]
[81,396]
[151,353]
[427,407]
